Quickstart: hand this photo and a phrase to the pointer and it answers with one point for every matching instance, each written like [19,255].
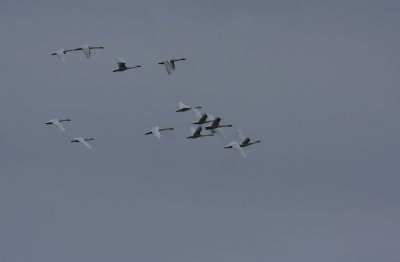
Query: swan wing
[61,55]
[197,113]
[238,149]
[86,50]
[240,134]
[59,125]
[192,130]
[218,131]
[168,67]
[156,132]
[84,143]
[182,105]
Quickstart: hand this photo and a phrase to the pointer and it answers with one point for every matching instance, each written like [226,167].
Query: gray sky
[316,81]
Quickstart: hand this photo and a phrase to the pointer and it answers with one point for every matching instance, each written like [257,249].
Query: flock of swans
[214,124]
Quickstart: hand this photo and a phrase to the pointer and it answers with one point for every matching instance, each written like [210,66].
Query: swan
[184,108]
[207,118]
[201,117]
[156,131]
[196,133]
[61,54]
[237,147]
[215,124]
[170,64]
[122,66]
[87,49]
[83,141]
[245,141]
[57,123]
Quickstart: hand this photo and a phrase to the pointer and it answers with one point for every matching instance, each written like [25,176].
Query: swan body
[156,131]
[61,54]
[122,66]
[196,133]
[216,124]
[87,49]
[83,141]
[170,64]
[245,141]
[56,122]
[183,108]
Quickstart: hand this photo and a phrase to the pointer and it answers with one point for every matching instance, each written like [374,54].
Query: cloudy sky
[316,81]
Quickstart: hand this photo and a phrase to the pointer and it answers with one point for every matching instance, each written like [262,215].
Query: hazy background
[316,81]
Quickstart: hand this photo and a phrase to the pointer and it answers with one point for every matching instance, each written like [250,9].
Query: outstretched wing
[240,134]
[61,55]
[59,125]
[198,131]
[197,113]
[86,50]
[168,67]
[192,130]
[218,131]
[239,149]
[85,144]
[182,105]
[156,132]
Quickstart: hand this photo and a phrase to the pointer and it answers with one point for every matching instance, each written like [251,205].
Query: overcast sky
[317,81]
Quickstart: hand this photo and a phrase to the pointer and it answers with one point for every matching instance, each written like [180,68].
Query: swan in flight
[87,49]
[184,108]
[57,123]
[202,118]
[83,141]
[207,118]
[215,124]
[122,66]
[245,141]
[196,133]
[61,54]
[170,64]
[237,147]
[156,131]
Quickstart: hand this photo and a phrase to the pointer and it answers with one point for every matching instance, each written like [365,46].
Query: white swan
[245,141]
[183,108]
[196,133]
[83,141]
[61,54]
[57,123]
[87,49]
[156,131]
[170,64]
[122,65]
[215,124]
[236,146]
